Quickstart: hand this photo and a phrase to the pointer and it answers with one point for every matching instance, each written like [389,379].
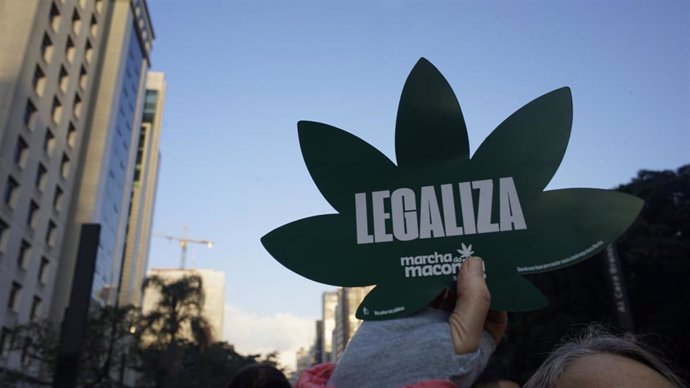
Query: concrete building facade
[48,73]
[71,94]
[329,303]
[346,323]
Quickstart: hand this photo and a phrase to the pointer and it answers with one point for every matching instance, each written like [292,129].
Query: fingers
[496,324]
[468,318]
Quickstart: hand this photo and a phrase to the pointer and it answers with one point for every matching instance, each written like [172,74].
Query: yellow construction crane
[183,242]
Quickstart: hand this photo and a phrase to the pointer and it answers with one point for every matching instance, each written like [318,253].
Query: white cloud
[251,333]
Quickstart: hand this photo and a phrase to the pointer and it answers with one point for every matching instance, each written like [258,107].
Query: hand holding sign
[408,227]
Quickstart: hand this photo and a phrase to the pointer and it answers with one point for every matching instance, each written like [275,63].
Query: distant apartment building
[303,358]
[72,78]
[346,323]
[318,343]
[307,357]
[143,195]
[213,285]
[329,303]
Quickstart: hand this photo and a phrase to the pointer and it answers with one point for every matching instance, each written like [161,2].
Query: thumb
[467,320]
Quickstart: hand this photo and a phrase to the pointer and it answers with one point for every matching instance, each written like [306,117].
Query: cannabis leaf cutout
[465,251]
[398,225]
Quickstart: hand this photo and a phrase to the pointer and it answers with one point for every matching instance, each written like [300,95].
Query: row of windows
[6,334]
[47,49]
[30,116]
[6,344]
[75,21]
[23,261]
[55,110]
[11,195]
[39,80]
[15,296]
[21,148]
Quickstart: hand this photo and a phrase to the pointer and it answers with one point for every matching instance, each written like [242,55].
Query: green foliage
[178,309]
[171,345]
[655,259]
[107,339]
[176,348]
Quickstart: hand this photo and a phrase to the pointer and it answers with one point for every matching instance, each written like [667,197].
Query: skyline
[241,74]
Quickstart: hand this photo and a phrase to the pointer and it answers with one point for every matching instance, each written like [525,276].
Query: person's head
[259,376]
[600,359]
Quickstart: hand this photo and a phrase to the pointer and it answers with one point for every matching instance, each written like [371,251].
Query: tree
[107,341]
[655,259]
[176,347]
[172,345]
[173,327]
[178,309]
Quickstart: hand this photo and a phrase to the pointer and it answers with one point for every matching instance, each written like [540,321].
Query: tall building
[318,343]
[106,167]
[346,323]
[303,358]
[135,254]
[71,92]
[329,303]
[213,284]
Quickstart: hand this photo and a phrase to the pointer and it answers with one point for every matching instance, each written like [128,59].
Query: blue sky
[242,73]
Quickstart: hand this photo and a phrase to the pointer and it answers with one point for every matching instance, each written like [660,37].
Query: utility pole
[183,242]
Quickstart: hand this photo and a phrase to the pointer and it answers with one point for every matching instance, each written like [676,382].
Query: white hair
[596,340]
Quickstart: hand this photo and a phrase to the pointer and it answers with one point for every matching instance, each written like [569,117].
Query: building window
[49,142]
[94,26]
[64,79]
[57,199]
[54,17]
[83,78]
[99,6]
[39,81]
[21,152]
[88,52]
[56,110]
[32,217]
[71,135]
[14,296]
[26,348]
[43,270]
[70,50]
[46,48]
[76,22]
[137,174]
[41,177]
[11,192]
[5,341]
[65,166]
[51,233]
[36,308]
[4,232]
[24,255]
[29,114]
[77,107]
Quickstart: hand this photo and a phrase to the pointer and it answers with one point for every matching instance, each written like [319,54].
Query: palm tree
[174,324]
[179,306]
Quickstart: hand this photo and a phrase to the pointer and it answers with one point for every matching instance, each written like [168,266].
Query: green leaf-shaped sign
[406,228]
